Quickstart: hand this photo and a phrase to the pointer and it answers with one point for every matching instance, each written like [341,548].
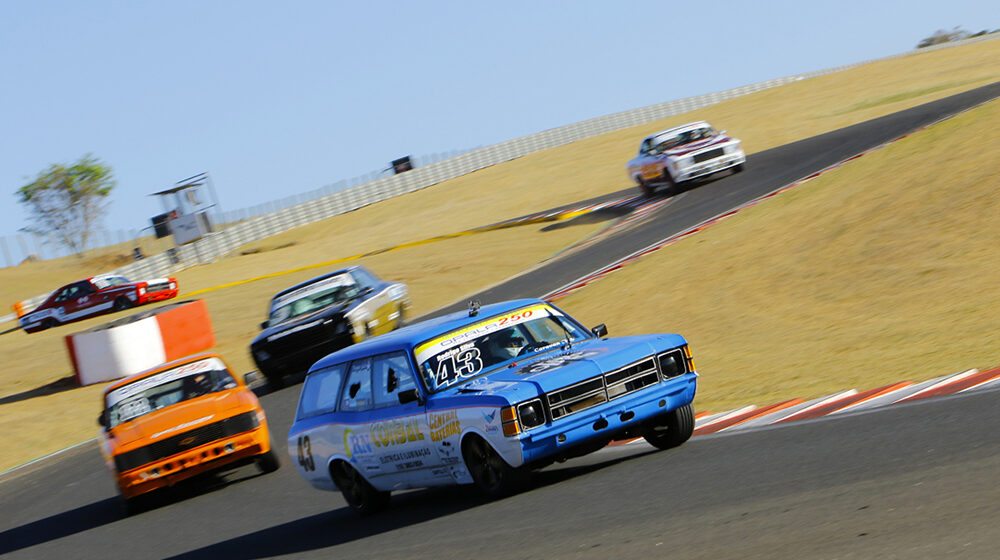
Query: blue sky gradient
[279,98]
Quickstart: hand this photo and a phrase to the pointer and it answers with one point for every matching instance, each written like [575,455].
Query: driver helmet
[506,344]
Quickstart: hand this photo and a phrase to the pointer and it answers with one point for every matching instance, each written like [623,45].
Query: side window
[364,278]
[321,391]
[358,390]
[85,289]
[392,375]
[68,293]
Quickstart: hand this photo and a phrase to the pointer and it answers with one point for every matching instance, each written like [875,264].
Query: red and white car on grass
[95,296]
[684,153]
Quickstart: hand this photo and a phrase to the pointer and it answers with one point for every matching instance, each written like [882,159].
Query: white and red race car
[683,153]
[95,296]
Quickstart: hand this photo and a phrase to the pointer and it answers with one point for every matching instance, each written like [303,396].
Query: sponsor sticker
[136,387]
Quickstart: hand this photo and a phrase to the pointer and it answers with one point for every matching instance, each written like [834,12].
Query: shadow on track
[341,526]
[60,525]
[109,510]
[58,386]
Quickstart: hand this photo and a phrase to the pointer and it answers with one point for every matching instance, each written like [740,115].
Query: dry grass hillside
[44,413]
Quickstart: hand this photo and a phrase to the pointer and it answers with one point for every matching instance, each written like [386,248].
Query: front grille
[317,335]
[711,154]
[577,397]
[157,287]
[601,389]
[187,440]
[632,378]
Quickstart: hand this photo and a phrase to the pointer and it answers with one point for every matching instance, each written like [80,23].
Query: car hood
[181,417]
[303,322]
[563,366]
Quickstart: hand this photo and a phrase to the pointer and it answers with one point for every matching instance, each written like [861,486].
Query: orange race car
[180,419]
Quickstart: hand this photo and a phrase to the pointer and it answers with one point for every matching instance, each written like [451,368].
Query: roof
[312,280]
[156,369]
[411,335]
[681,128]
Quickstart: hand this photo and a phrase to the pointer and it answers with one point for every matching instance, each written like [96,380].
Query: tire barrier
[140,341]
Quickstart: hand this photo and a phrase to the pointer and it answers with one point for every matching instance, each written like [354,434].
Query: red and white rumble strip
[851,400]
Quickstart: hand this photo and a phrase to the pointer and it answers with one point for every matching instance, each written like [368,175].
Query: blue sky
[279,98]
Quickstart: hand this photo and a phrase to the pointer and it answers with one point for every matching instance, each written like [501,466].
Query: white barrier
[139,342]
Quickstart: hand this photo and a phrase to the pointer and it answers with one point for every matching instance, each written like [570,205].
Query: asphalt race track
[915,480]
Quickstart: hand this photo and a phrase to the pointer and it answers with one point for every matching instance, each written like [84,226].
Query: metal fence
[249,225]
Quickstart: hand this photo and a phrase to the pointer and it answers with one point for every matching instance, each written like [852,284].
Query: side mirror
[263,325]
[409,396]
[600,330]
[102,419]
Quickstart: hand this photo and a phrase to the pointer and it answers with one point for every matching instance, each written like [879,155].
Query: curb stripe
[821,408]
[964,380]
[722,424]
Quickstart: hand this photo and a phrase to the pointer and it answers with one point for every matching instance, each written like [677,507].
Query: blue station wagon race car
[483,397]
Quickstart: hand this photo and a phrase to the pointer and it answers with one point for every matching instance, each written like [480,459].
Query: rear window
[321,391]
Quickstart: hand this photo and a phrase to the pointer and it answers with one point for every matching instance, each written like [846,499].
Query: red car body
[95,296]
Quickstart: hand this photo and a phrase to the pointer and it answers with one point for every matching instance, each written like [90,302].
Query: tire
[669,185]
[646,188]
[133,506]
[675,428]
[738,169]
[121,304]
[267,462]
[489,470]
[275,380]
[49,323]
[359,494]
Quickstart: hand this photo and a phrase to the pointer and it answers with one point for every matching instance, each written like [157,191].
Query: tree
[69,202]
[942,36]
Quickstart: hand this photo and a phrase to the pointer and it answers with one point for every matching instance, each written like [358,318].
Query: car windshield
[466,353]
[666,142]
[106,282]
[166,388]
[312,297]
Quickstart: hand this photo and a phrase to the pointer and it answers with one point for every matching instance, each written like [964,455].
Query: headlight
[673,363]
[173,286]
[142,291]
[531,414]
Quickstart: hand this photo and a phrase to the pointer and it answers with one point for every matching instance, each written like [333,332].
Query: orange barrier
[140,341]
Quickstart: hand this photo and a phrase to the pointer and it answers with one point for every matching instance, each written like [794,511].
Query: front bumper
[712,166]
[171,470]
[150,297]
[607,422]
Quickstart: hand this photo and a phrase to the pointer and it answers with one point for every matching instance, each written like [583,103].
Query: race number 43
[305,454]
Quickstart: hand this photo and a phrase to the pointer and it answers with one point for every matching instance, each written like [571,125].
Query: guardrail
[221,243]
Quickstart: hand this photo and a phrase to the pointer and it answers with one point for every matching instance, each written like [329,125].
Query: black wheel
[134,505]
[275,380]
[358,492]
[121,304]
[49,323]
[738,169]
[675,428]
[489,471]
[669,185]
[646,188]
[399,318]
[267,462]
